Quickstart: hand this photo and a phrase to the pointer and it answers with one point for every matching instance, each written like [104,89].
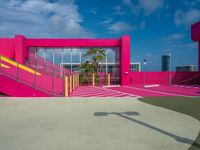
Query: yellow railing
[16,64]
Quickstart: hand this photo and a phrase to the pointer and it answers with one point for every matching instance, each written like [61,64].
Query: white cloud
[107,21]
[175,43]
[127,2]
[120,27]
[175,36]
[191,3]
[118,10]
[40,18]
[150,6]
[186,18]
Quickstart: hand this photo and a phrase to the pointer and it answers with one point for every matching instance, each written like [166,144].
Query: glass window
[40,52]
[67,55]
[83,52]
[111,55]
[32,51]
[58,56]
[75,55]
[49,54]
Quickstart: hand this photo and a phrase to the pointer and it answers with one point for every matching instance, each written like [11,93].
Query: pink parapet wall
[10,87]
[195,34]
[165,78]
[17,49]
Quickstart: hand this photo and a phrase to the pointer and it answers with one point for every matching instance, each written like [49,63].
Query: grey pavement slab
[92,124]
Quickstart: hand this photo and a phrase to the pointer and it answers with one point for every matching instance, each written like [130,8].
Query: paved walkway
[136,91]
[94,91]
[92,124]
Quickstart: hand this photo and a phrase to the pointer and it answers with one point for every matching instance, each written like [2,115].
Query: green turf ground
[189,106]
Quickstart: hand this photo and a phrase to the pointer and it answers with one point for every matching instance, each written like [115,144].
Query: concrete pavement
[92,124]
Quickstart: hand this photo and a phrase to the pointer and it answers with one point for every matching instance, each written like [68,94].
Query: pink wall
[7,47]
[73,42]
[13,88]
[150,77]
[195,34]
[199,56]
[125,60]
[163,77]
[20,49]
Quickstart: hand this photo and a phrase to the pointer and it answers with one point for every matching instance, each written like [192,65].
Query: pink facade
[196,37]
[17,49]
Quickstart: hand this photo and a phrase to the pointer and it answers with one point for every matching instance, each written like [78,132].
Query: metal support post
[66,87]
[93,79]
[70,80]
[108,79]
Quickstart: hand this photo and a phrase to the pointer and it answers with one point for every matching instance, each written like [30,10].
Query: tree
[97,55]
[85,70]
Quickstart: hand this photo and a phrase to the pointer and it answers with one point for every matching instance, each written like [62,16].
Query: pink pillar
[199,56]
[195,34]
[20,48]
[125,60]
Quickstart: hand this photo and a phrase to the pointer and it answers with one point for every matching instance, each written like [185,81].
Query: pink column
[20,48]
[199,56]
[125,60]
[195,34]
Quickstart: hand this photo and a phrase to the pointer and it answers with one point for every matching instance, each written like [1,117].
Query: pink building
[29,53]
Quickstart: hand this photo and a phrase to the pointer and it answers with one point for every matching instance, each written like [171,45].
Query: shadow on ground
[126,115]
[185,105]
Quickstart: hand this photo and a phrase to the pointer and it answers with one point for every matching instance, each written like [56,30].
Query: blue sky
[156,27]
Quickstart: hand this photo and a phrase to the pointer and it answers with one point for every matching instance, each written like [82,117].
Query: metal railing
[20,73]
[49,83]
[47,67]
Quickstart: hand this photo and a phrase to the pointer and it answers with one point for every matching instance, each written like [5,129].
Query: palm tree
[85,70]
[97,55]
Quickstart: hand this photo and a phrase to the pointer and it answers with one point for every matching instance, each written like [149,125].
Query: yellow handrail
[7,60]
[4,66]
